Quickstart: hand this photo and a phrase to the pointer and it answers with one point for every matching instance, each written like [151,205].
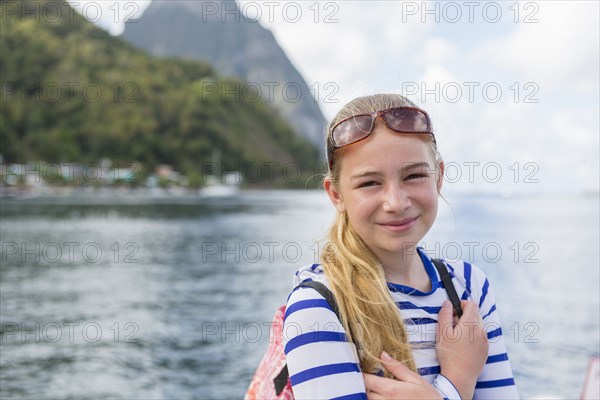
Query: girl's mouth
[400,225]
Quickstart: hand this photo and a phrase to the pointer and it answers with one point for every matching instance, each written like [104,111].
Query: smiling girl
[396,336]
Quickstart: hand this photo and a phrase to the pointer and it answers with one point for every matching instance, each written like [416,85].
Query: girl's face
[388,186]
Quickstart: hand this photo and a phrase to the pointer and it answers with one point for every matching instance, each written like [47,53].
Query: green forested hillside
[235,46]
[73,93]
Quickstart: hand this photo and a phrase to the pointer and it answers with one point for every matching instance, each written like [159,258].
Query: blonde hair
[368,313]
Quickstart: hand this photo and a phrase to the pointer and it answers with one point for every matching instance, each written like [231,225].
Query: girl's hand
[462,346]
[409,385]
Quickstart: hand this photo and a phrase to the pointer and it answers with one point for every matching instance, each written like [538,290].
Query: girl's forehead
[385,148]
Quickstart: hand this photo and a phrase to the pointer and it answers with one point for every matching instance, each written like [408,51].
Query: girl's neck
[407,269]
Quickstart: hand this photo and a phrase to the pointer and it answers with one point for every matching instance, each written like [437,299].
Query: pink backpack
[271,379]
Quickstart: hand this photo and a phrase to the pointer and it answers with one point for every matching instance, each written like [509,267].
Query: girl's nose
[396,200]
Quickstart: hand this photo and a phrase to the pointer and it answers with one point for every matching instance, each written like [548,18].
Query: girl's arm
[321,363]
[496,380]
[462,346]
[462,351]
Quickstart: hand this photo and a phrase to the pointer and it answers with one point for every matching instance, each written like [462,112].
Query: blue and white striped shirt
[323,365]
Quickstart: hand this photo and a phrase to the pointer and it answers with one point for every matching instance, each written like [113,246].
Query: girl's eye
[416,176]
[367,184]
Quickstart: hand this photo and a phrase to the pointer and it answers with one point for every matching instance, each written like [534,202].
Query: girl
[396,336]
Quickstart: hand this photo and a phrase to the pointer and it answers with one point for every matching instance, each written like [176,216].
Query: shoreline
[104,195]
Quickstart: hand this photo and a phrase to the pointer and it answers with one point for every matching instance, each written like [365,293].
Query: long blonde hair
[368,313]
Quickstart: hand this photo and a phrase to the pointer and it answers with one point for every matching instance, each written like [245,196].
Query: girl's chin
[405,246]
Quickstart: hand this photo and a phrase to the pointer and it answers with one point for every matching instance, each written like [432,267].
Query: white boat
[229,185]
[219,184]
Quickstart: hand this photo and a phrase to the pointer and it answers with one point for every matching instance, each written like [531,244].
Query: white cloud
[110,15]
[560,51]
[366,50]
[558,149]
[574,146]
[436,50]
[437,73]
[577,126]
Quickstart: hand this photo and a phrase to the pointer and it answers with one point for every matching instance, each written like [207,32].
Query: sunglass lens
[403,120]
[352,130]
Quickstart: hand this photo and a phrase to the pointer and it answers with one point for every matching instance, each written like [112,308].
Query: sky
[512,87]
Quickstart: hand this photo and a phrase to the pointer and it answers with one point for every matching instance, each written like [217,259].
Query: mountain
[217,32]
[73,93]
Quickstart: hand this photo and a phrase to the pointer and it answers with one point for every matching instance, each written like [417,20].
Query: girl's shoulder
[464,269]
[465,275]
[468,277]
[313,272]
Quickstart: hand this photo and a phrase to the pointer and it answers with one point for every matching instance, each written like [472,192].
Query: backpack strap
[281,379]
[323,291]
[447,282]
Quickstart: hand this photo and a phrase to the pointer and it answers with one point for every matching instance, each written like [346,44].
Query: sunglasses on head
[359,127]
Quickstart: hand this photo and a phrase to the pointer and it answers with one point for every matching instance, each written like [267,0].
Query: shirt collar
[429,268]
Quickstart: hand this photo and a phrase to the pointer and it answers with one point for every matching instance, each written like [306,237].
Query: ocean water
[136,300]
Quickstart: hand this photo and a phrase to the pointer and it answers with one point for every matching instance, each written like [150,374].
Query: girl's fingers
[470,309]
[374,383]
[445,318]
[378,387]
[375,396]
[399,370]
[381,385]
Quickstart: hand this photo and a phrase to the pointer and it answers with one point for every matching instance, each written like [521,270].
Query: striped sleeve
[321,363]
[496,380]
[446,388]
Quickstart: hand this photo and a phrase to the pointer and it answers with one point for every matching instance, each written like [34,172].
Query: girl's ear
[334,196]
[440,176]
